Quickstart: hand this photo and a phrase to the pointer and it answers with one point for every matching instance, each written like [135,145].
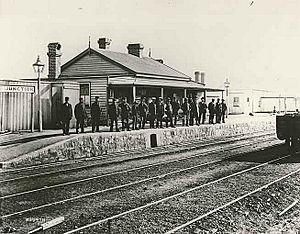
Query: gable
[92,64]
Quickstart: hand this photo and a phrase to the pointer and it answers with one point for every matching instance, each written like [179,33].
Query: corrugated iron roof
[144,65]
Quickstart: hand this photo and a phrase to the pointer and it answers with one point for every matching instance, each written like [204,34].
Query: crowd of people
[155,111]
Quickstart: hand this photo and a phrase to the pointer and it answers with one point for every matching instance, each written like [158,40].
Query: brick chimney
[54,62]
[202,78]
[136,49]
[197,76]
[104,43]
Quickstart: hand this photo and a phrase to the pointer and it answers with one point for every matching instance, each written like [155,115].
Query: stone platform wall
[97,144]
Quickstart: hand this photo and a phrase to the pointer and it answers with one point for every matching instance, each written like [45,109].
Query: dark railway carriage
[288,128]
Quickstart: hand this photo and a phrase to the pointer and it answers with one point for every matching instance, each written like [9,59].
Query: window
[84,90]
[248,99]
[85,94]
[236,101]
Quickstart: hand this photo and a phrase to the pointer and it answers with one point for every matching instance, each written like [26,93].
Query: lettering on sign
[17,89]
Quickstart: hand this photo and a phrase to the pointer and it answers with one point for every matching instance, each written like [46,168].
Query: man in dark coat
[186,108]
[125,111]
[211,109]
[202,110]
[66,116]
[80,115]
[175,106]
[135,115]
[160,111]
[169,113]
[218,111]
[143,109]
[224,109]
[194,112]
[152,112]
[113,113]
[95,115]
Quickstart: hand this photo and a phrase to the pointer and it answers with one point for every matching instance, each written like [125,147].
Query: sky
[254,45]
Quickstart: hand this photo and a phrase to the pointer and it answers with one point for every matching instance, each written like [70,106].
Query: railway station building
[104,73]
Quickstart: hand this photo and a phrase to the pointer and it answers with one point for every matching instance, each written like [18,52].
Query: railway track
[150,165]
[75,182]
[172,173]
[11,175]
[219,208]
[170,213]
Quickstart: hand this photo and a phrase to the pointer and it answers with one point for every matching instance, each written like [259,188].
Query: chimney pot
[136,49]
[202,78]
[104,43]
[197,74]
[54,62]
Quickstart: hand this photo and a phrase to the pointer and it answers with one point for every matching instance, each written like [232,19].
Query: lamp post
[38,67]
[226,84]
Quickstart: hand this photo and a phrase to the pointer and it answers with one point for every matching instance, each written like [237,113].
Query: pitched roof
[144,65]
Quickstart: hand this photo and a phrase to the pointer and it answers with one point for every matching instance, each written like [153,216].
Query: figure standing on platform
[80,115]
[193,113]
[160,109]
[66,116]
[175,106]
[169,113]
[135,115]
[152,112]
[125,111]
[95,115]
[218,111]
[143,109]
[186,112]
[211,109]
[202,110]
[224,109]
[113,113]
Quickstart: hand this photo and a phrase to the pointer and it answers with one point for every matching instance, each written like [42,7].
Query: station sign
[16,89]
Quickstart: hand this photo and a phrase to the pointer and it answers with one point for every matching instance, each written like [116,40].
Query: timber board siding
[90,65]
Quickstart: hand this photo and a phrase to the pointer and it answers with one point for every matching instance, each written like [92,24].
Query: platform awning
[136,81]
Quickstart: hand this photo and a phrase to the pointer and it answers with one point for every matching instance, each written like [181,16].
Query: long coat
[66,112]
[95,111]
[80,112]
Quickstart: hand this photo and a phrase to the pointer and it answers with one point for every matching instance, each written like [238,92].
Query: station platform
[26,148]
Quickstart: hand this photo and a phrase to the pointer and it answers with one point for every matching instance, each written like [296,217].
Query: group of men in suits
[154,110]
[80,115]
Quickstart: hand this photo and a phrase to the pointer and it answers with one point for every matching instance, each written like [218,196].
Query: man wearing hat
[202,110]
[66,116]
[113,113]
[95,115]
[125,111]
[169,113]
[224,109]
[152,112]
[80,115]
[160,111]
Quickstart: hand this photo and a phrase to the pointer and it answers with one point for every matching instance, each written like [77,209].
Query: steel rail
[128,159]
[175,195]
[118,187]
[67,162]
[129,170]
[232,202]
